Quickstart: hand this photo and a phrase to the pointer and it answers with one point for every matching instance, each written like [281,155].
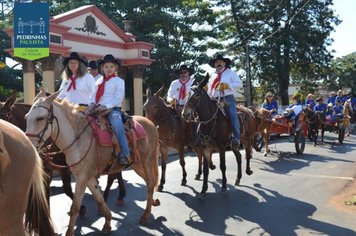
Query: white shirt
[114,92]
[228,77]
[296,109]
[174,88]
[97,77]
[83,94]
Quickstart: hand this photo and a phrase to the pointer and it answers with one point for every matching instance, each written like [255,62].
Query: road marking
[326,176]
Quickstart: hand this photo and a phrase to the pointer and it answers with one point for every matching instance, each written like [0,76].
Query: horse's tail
[38,218]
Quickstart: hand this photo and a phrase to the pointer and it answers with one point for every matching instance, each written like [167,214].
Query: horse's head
[5,108]
[194,98]
[153,104]
[40,118]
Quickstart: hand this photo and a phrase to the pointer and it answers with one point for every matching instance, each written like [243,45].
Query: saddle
[106,138]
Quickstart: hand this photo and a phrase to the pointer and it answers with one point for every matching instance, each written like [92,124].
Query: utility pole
[248,78]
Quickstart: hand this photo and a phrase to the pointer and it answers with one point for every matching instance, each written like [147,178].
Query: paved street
[288,194]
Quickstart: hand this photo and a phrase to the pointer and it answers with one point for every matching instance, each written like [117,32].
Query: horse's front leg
[182,164]
[266,139]
[223,168]
[239,169]
[207,156]
[164,158]
[94,189]
[77,199]
[200,163]
[122,190]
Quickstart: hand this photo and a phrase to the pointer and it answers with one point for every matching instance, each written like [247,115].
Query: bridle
[50,118]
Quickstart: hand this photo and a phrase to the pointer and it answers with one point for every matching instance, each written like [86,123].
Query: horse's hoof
[106,229]
[237,182]
[156,202]
[201,196]
[184,183]
[212,167]
[265,154]
[160,188]
[249,172]
[197,177]
[82,210]
[223,189]
[120,202]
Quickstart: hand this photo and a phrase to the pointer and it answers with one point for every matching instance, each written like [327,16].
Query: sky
[344,35]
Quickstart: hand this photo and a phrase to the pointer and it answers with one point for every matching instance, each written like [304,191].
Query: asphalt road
[288,194]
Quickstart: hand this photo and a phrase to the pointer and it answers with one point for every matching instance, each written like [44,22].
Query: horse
[71,133]
[21,186]
[173,131]
[262,125]
[349,117]
[315,121]
[215,132]
[15,114]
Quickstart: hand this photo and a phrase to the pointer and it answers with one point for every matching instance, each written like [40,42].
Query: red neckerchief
[72,83]
[183,89]
[216,81]
[101,87]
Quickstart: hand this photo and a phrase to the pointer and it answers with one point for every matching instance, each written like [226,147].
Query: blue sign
[31,30]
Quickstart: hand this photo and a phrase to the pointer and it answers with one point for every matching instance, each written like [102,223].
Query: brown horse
[15,114]
[48,118]
[314,121]
[21,186]
[215,132]
[173,131]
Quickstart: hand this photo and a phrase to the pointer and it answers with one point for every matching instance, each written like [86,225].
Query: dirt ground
[347,195]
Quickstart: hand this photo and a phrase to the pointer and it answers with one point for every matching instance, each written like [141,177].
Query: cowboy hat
[320,99]
[109,58]
[184,67]
[220,57]
[93,65]
[74,56]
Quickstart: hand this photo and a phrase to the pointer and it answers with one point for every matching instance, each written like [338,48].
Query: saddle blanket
[104,135]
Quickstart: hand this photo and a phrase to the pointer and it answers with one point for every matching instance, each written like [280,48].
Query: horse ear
[11,100]
[148,92]
[204,81]
[159,92]
[41,94]
[53,96]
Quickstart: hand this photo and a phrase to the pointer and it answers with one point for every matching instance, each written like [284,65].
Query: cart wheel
[258,142]
[341,135]
[299,141]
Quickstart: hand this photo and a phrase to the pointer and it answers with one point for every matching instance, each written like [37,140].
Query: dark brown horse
[215,132]
[173,131]
[15,114]
[315,121]
[21,186]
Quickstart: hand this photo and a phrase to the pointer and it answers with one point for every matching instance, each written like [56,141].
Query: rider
[332,98]
[221,85]
[310,101]
[180,87]
[110,94]
[321,106]
[294,109]
[337,110]
[93,69]
[78,86]
[341,96]
[270,104]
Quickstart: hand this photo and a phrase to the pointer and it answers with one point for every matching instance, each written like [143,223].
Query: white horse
[49,118]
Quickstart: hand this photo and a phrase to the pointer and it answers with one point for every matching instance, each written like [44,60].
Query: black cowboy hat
[109,58]
[220,57]
[75,56]
[184,67]
[93,65]
[320,99]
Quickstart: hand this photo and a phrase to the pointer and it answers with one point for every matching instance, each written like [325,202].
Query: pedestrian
[221,86]
[78,86]
[110,95]
[270,104]
[94,71]
[180,87]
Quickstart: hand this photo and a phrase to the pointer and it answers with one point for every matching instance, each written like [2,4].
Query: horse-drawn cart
[282,125]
